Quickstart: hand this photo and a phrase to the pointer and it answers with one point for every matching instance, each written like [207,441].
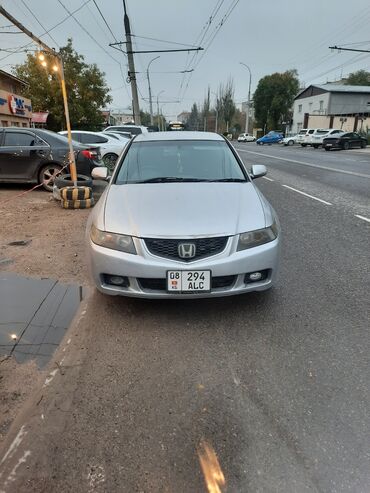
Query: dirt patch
[57,248]
[56,251]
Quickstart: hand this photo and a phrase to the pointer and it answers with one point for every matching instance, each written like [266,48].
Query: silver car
[182,218]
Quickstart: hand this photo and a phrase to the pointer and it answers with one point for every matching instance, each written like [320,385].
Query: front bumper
[144,265]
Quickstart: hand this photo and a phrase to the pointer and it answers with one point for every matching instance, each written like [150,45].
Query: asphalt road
[277,382]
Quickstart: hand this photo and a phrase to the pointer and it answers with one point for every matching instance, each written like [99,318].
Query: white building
[122,117]
[330,101]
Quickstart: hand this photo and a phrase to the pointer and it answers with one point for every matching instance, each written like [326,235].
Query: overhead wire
[39,23]
[20,48]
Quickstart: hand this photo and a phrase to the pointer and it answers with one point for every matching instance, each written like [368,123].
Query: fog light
[255,276]
[121,281]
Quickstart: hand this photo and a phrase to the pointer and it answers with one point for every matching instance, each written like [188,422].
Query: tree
[193,122]
[273,98]
[225,103]
[206,108]
[145,118]
[359,78]
[87,91]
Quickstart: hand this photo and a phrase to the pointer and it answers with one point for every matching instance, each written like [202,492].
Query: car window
[113,136]
[133,130]
[92,139]
[19,139]
[311,131]
[356,136]
[321,132]
[179,160]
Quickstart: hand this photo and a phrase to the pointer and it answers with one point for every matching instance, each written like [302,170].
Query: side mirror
[257,171]
[100,173]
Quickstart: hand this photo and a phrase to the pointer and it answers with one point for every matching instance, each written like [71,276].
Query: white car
[290,140]
[316,139]
[246,138]
[133,129]
[124,136]
[110,147]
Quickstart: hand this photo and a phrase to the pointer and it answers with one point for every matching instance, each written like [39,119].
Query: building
[183,117]
[15,110]
[332,106]
[109,119]
[121,117]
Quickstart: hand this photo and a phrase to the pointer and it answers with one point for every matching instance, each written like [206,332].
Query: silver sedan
[182,218]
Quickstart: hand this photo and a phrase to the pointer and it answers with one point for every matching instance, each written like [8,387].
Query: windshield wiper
[169,179]
[230,180]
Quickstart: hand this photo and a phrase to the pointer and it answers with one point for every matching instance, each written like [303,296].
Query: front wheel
[303,145]
[363,145]
[290,142]
[346,146]
[315,146]
[48,174]
[327,148]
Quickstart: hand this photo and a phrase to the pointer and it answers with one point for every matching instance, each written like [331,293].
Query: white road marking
[363,218]
[266,178]
[50,377]
[353,173]
[307,195]
[15,444]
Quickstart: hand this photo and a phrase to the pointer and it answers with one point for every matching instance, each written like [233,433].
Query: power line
[20,48]
[163,41]
[37,20]
[105,21]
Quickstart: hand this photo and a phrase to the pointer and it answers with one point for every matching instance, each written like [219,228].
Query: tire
[290,142]
[77,204]
[327,148]
[48,175]
[76,193]
[345,146]
[315,146]
[110,160]
[304,145]
[82,181]
[363,145]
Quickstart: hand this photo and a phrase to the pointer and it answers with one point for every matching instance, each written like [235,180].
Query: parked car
[305,140]
[290,140]
[345,141]
[270,138]
[31,155]
[301,135]
[161,230]
[246,138]
[316,138]
[124,136]
[110,147]
[133,129]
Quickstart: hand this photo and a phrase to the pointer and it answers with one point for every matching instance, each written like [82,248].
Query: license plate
[328,145]
[189,281]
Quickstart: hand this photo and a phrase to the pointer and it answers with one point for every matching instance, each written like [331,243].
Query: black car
[345,141]
[34,155]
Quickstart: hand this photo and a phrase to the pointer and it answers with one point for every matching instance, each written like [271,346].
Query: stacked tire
[76,197]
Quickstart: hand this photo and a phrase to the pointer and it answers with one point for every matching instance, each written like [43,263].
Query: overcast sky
[267,35]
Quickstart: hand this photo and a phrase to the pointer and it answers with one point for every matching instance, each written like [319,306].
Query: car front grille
[168,248]
[153,284]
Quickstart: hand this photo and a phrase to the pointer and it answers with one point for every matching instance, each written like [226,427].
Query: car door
[21,152]
[356,140]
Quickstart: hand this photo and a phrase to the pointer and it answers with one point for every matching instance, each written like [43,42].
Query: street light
[249,97]
[150,91]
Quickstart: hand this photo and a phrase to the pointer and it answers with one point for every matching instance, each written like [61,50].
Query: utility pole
[216,121]
[131,68]
[150,91]
[158,121]
[72,162]
[249,97]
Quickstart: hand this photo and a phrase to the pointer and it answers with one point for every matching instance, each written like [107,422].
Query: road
[277,382]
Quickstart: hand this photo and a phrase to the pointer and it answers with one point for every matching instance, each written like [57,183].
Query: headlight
[114,241]
[257,237]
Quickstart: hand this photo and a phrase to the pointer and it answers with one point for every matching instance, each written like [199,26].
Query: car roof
[177,135]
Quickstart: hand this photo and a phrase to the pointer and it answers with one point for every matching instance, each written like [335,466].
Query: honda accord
[182,218]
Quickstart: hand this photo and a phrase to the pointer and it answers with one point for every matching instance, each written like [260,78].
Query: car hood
[183,210]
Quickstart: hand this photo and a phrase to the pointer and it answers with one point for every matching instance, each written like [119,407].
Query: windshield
[171,161]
